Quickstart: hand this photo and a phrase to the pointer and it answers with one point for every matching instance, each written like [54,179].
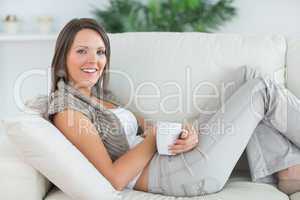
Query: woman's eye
[81,51]
[100,52]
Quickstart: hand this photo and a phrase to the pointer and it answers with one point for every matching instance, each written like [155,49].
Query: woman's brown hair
[62,47]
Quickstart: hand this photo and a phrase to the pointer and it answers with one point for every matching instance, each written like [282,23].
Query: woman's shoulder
[60,101]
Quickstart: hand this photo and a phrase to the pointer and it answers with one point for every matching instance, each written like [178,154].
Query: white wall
[254,16]
[266,16]
[24,62]
[61,10]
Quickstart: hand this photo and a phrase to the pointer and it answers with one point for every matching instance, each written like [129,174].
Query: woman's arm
[79,130]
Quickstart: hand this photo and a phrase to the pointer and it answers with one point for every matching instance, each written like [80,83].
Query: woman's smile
[89,71]
[86,58]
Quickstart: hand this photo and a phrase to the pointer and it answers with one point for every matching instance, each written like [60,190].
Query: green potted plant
[165,15]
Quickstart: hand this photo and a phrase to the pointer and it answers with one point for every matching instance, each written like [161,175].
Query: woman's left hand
[187,140]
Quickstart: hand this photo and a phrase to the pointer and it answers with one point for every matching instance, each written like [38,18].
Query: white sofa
[164,64]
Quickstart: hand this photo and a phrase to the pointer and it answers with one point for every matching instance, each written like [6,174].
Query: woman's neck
[86,91]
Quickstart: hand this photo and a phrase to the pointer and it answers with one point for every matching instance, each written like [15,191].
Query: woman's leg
[224,137]
[268,152]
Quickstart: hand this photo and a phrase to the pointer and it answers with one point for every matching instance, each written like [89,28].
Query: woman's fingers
[187,141]
[179,148]
[184,134]
[180,141]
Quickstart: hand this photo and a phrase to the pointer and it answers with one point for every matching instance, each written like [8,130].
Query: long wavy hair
[62,47]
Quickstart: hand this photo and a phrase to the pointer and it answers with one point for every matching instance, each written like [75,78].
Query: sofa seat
[238,187]
[295,196]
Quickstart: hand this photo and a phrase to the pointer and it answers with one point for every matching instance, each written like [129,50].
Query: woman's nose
[92,57]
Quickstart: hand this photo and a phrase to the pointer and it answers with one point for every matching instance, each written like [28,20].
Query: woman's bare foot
[289,180]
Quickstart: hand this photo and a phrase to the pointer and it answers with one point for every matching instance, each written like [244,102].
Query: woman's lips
[89,70]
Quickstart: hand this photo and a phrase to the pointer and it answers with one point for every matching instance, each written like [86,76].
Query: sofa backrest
[157,74]
[156,64]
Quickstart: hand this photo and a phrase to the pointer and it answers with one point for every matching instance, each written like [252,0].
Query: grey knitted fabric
[106,122]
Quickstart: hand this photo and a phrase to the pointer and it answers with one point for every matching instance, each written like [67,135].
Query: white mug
[167,133]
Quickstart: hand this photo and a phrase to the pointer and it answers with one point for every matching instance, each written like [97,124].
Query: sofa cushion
[175,76]
[161,74]
[17,175]
[45,148]
[237,188]
[295,196]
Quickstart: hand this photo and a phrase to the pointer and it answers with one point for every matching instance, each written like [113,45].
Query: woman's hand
[187,140]
[150,131]
[143,123]
[150,134]
[148,125]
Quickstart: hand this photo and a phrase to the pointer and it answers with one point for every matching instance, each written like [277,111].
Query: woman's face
[86,59]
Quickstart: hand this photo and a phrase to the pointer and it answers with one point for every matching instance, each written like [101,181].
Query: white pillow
[18,179]
[47,150]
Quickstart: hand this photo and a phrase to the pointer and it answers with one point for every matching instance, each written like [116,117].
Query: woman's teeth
[89,70]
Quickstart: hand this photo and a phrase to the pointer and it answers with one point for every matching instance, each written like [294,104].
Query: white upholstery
[164,57]
[236,189]
[293,64]
[18,179]
[45,148]
[157,64]
[295,196]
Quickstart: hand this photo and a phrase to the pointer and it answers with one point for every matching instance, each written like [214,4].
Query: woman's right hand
[150,131]
[150,134]
[149,126]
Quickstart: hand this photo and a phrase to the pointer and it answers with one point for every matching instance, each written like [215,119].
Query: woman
[89,116]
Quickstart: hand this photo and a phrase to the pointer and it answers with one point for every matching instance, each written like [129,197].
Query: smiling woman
[106,133]
[84,110]
[81,107]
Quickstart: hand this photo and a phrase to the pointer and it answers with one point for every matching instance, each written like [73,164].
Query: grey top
[106,122]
